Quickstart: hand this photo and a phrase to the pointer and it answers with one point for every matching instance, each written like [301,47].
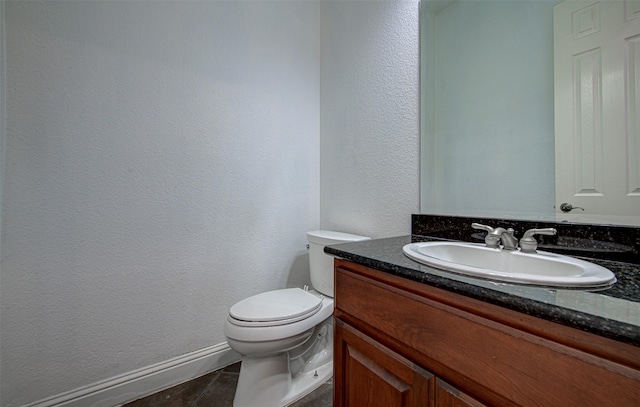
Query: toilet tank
[320,263]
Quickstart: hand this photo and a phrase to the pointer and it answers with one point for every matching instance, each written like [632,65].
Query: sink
[541,268]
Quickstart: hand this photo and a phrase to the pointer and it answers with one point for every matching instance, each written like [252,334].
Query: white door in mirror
[597,115]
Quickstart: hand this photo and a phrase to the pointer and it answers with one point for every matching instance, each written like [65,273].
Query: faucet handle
[480,226]
[491,239]
[528,244]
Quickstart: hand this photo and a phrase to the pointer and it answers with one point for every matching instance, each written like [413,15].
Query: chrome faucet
[509,241]
[495,235]
[528,243]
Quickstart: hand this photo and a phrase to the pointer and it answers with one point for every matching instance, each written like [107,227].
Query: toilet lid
[276,307]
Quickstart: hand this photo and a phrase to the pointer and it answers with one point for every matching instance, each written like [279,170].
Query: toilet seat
[273,308]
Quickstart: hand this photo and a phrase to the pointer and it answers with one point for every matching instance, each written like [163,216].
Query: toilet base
[280,379]
[277,388]
[307,382]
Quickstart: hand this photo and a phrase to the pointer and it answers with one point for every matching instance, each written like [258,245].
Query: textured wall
[147,145]
[369,116]
[162,164]
[2,118]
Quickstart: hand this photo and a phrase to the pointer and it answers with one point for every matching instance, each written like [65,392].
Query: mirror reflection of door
[597,109]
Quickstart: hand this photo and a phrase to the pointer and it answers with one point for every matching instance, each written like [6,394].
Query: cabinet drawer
[494,362]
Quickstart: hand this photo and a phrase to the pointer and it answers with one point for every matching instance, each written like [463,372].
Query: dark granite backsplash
[607,242]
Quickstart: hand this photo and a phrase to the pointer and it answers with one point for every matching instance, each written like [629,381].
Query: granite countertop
[613,312]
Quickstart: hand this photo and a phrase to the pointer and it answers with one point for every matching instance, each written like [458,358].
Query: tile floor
[217,389]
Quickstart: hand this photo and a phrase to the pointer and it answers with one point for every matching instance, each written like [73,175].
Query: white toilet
[285,336]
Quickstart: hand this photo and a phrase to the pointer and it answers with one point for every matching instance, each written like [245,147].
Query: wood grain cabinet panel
[449,396]
[374,376]
[398,340]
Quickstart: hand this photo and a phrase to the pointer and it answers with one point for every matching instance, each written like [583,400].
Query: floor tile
[321,397]
[183,395]
[217,389]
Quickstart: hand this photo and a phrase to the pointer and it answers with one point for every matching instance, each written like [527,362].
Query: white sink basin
[541,268]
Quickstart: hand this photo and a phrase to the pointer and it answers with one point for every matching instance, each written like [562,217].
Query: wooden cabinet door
[448,396]
[367,374]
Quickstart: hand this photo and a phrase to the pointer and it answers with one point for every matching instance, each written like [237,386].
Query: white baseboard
[142,382]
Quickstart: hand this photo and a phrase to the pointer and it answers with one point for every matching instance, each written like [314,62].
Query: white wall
[149,143]
[2,107]
[2,142]
[2,113]
[162,164]
[369,113]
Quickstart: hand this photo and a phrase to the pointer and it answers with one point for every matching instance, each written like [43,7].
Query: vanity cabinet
[373,375]
[402,343]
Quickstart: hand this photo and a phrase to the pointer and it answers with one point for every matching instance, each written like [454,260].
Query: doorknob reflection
[567,207]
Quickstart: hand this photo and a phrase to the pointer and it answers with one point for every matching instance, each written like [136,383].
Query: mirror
[487,111]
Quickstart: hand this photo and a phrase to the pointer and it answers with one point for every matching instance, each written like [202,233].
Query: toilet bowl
[285,337]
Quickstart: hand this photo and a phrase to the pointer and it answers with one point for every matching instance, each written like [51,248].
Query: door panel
[597,105]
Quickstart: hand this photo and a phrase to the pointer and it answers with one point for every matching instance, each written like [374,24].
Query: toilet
[285,337]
